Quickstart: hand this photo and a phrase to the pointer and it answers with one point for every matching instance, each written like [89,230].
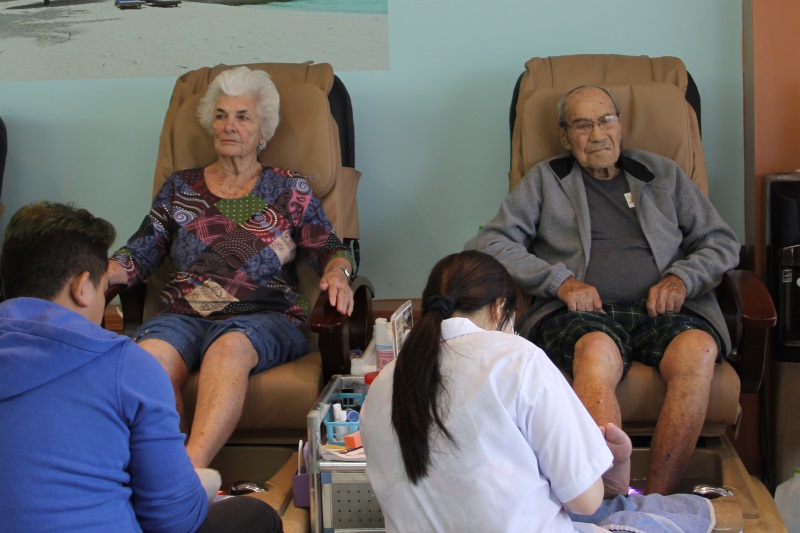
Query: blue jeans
[275,338]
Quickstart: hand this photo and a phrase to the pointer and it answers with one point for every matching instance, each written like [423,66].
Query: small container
[337,429]
[787,499]
[357,366]
[300,489]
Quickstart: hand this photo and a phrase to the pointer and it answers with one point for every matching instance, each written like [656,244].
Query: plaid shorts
[638,336]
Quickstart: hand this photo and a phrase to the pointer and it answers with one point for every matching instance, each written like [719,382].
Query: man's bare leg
[176,368]
[222,386]
[687,368]
[617,479]
[597,369]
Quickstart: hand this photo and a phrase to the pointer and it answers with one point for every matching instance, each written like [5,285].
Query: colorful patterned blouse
[232,256]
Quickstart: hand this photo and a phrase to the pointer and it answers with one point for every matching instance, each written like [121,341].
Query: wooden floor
[112,320]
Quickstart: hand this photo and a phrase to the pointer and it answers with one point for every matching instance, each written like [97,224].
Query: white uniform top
[524,442]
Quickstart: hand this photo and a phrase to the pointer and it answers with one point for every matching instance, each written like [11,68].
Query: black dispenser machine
[783,280]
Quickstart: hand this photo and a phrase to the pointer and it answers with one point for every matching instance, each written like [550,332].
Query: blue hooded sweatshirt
[89,437]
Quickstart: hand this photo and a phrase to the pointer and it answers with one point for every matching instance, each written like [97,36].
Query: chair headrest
[604,69]
[306,140]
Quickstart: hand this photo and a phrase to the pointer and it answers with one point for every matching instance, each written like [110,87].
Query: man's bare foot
[617,478]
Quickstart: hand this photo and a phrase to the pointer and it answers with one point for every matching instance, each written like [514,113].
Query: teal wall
[431,132]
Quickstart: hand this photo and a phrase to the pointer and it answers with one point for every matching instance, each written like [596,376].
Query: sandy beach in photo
[86,39]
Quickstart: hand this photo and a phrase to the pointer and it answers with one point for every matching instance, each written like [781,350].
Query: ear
[497,309]
[82,290]
[562,136]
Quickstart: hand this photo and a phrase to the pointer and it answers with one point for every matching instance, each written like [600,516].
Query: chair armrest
[113,291]
[338,333]
[749,314]
[132,304]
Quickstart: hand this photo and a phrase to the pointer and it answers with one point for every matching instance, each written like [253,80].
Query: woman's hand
[336,282]
[116,274]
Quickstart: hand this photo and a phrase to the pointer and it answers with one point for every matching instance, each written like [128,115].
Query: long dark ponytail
[464,282]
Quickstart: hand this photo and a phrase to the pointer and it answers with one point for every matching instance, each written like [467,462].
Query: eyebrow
[245,110]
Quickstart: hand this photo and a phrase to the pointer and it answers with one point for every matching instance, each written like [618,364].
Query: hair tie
[444,304]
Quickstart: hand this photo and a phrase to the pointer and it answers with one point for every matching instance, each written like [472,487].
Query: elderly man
[620,252]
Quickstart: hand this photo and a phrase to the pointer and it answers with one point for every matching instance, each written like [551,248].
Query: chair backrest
[314,137]
[651,93]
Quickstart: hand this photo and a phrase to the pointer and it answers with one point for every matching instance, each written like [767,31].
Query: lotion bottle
[383,343]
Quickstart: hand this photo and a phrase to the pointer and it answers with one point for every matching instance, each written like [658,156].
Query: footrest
[728,515]
[279,487]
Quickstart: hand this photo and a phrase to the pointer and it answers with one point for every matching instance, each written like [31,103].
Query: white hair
[241,81]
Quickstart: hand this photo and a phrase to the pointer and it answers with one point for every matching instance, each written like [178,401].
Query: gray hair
[563,101]
[241,81]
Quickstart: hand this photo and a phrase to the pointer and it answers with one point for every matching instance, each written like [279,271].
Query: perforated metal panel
[342,500]
[348,503]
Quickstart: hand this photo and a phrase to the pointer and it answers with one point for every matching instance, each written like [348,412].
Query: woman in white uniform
[473,428]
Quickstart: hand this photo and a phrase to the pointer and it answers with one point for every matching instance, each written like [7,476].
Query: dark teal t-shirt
[621,264]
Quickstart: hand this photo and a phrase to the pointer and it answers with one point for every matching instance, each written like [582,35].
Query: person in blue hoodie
[90,438]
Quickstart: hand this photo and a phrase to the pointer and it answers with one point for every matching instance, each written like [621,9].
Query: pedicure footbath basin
[705,467]
[715,462]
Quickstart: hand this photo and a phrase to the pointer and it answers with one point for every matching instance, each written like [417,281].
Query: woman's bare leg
[224,374]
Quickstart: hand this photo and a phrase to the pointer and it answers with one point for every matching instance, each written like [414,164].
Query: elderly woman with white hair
[232,228]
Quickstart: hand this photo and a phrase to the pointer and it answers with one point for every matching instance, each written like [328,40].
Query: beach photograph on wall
[90,39]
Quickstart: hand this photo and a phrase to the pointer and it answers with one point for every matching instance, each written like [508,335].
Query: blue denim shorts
[274,336]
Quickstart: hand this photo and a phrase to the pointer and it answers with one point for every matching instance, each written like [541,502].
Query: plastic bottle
[787,498]
[370,357]
[357,366]
[383,343]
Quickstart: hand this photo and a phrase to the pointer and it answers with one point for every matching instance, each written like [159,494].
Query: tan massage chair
[315,138]
[652,95]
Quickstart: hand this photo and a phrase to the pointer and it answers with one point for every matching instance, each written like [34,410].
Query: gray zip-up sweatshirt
[542,232]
